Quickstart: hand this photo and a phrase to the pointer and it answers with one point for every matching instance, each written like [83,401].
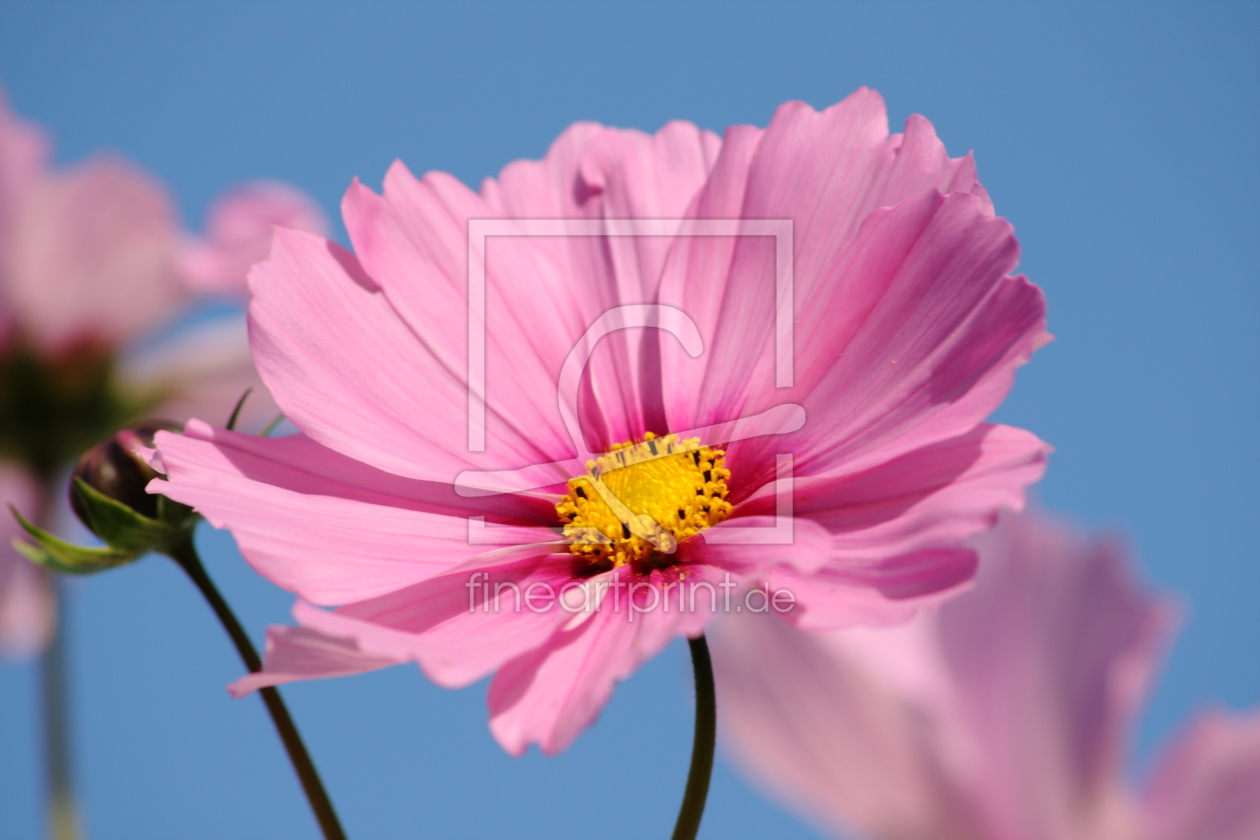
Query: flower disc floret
[642,498]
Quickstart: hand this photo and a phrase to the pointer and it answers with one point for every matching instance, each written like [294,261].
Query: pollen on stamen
[643,497]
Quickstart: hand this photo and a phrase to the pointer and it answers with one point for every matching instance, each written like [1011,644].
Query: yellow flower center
[644,498]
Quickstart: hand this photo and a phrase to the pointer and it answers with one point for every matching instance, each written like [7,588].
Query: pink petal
[549,695]
[324,526]
[877,590]
[26,599]
[936,496]
[897,529]
[919,342]
[204,369]
[23,153]
[94,256]
[413,241]
[298,653]
[340,361]
[826,172]
[592,172]
[822,735]
[1206,786]
[1051,657]
[1001,715]
[459,627]
[237,233]
[757,550]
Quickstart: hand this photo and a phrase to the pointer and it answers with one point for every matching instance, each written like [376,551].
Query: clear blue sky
[1119,138]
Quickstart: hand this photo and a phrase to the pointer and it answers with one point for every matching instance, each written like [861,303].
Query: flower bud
[107,493]
[116,470]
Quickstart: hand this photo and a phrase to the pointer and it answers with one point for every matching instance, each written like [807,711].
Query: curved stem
[186,556]
[697,790]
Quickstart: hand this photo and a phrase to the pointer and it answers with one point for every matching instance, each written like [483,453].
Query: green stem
[63,813]
[62,810]
[186,556]
[698,776]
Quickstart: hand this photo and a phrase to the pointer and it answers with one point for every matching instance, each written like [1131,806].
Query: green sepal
[58,555]
[118,525]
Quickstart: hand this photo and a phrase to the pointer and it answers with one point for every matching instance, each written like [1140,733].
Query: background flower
[1006,713]
[92,264]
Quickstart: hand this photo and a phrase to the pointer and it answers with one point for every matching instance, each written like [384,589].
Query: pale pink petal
[26,598]
[302,514]
[825,173]
[822,735]
[201,371]
[94,256]
[918,344]
[298,653]
[237,233]
[1051,657]
[932,497]
[549,695]
[413,241]
[597,173]
[897,529]
[462,626]
[458,627]
[23,153]
[1206,787]
[750,545]
[340,361]
[875,590]
[1001,715]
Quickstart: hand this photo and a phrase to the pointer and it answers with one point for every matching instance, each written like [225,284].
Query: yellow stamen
[644,498]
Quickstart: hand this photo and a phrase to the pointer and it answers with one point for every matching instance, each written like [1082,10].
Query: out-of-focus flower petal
[26,597]
[23,151]
[94,257]
[1051,657]
[1206,787]
[237,233]
[1003,714]
[840,746]
[200,371]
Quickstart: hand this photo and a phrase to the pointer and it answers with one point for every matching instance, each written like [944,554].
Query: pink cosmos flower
[1004,714]
[92,263]
[623,484]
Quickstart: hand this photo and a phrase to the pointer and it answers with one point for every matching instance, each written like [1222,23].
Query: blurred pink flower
[26,611]
[1004,714]
[237,233]
[92,266]
[908,330]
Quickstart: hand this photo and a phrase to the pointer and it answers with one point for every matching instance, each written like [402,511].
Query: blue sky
[1119,138]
